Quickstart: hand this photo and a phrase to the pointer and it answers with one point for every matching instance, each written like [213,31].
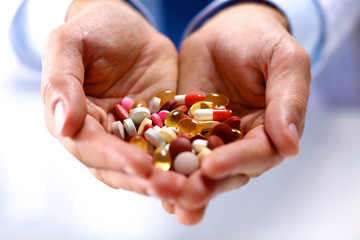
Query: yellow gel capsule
[139,103]
[201,105]
[173,118]
[237,134]
[162,158]
[217,98]
[165,96]
[139,141]
[189,126]
[207,125]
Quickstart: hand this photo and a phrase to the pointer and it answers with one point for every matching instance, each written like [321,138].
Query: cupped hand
[102,53]
[246,53]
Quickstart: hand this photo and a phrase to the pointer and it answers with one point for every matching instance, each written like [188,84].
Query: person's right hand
[105,51]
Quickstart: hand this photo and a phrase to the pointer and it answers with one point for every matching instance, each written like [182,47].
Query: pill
[129,127]
[139,141]
[154,105]
[167,135]
[139,103]
[169,105]
[127,103]
[201,105]
[223,131]
[198,136]
[214,141]
[237,134]
[157,128]
[212,114]
[185,163]
[189,126]
[165,95]
[138,114]
[184,135]
[183,108]
[156,119]
[162,114]
[118,129]
[233,122]
[217,98]
[147,126]
[120,112]
[178,146]
[162,158]
[152,136]
[203,153]
[199,144]
[141,128]
[173,118]
[207,125]
[189,99]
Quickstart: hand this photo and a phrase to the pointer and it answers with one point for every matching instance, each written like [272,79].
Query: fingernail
[294,131]
[59,116]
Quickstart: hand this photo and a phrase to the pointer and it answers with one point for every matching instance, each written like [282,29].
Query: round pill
[178,146]
[129,127]
[169,105]
[186,163]
[141,128]
[223,131]
[154,105]
[156,119]
[214,142]
[121,112]
[127,103]
[154,138]
[138,114]
[162,114]
[203,153]
[199,144]
[233,122]
[118,129]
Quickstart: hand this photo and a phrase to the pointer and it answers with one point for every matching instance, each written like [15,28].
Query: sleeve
[318,25]
[34,21]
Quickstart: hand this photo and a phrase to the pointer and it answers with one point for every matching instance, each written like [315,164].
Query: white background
[47,194]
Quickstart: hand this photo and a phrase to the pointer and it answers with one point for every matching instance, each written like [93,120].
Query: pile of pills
[177,131]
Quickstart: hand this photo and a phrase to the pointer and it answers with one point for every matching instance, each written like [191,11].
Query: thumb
[62,83]
[287,94]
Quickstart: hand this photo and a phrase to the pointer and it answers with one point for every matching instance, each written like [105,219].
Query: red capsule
[212,114]
[189,99]
[121,112]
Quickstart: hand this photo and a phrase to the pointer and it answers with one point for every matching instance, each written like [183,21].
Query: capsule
[217,98]
[162,158]
[212,114]
[173,118]
[237,134]
[165,96]
[139,141]
[189,99]
[189,126]
[138,104]
[201,105]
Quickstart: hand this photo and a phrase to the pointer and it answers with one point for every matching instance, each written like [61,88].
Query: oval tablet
[139,114]
[214,141]
[186,163]
[223,131]
[178,146]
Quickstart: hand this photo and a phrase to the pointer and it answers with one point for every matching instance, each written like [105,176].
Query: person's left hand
[246,53]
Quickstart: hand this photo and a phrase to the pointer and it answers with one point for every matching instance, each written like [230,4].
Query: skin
[244,52]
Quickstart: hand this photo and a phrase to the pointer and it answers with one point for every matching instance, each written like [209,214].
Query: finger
[119,180]
[62,81]
[189,217]
[199,189]
[250,156]
[168,206]
[96,148]
[167,185]
[287,94]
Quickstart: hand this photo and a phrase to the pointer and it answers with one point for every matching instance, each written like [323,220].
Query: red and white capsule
[189,99]
[212,114]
